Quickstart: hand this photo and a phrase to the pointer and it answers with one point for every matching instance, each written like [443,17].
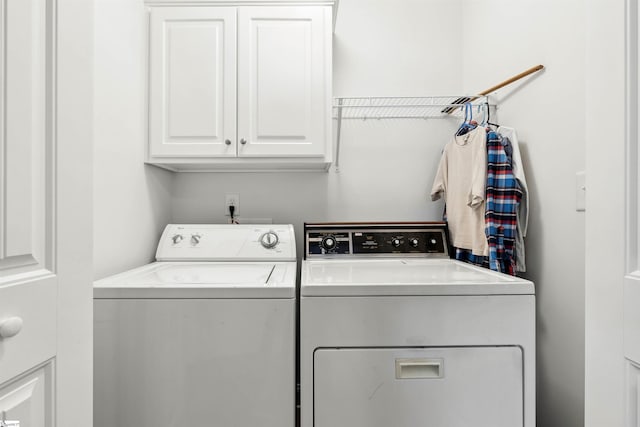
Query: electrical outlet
[232,200]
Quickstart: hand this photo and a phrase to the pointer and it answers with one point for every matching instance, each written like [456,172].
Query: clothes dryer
[204,336]
[394,332]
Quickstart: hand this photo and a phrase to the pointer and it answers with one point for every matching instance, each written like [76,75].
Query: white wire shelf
[398,107]
[403,107]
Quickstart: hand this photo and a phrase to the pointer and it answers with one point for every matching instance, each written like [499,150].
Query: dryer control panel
[377,239]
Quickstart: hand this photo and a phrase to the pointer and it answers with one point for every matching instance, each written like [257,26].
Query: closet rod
[515,78]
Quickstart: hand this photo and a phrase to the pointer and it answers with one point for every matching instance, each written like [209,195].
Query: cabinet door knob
[227,141]
[10,327]
[243,141]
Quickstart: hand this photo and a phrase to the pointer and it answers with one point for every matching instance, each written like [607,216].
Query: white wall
[131,200]
[548,112]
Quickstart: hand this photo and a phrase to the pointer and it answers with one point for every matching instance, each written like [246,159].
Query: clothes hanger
[482,108]
[488,117]
[468,124]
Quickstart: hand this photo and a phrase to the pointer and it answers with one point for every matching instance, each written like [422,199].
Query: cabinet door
[192,81]
[284,69]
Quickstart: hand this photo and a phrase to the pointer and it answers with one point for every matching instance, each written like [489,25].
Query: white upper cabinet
[240,88]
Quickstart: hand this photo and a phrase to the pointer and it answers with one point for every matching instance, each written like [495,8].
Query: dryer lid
[394,277]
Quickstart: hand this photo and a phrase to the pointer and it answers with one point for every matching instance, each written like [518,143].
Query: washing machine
[204,336]
[395,333]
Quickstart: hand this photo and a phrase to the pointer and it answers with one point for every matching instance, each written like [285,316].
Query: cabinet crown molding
[332,3]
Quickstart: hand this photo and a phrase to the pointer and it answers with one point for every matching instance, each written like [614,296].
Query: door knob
[10,327]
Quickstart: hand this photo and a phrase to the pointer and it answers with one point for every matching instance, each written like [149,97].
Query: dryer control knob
[396,242]
[269,239]
[177,238]
[195,239]
[414,242]
[329,243]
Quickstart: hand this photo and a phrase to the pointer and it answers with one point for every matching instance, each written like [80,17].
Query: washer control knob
[329,243]
[177,238]
[269,239]
[195,239]
[396,242]
[433,241]
[414,242]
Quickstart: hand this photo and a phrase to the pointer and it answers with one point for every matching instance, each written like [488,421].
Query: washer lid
[202,280]
[392,277]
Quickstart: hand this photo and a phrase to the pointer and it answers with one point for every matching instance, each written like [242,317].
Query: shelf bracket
[338,132]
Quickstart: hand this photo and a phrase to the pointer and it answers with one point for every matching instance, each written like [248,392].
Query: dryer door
[452,387]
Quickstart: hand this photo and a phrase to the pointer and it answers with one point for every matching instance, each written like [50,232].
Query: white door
[45,212]
[612,310]
[284,69]
[192,82]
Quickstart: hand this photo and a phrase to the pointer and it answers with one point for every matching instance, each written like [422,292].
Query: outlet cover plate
[232,199]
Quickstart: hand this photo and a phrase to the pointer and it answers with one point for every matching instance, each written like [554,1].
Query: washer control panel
[382,239]
[227,242]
